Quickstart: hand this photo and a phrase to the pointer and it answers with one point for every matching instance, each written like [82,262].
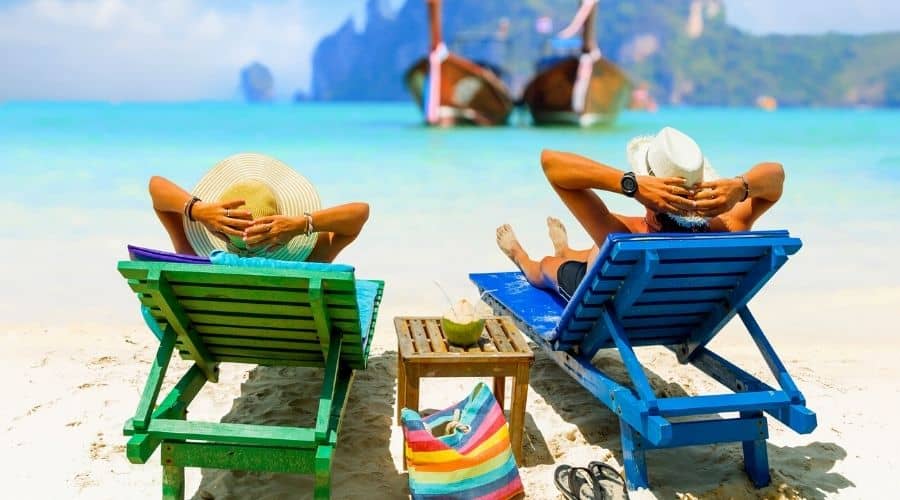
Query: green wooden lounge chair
[275,317]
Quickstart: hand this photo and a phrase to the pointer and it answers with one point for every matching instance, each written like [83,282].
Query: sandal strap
[603,471]
[565,489]
[599,493]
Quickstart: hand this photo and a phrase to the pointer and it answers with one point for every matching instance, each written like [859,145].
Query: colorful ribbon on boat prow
[579,19]
[433,103]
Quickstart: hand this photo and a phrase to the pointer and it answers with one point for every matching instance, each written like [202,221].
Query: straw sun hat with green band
[268,187]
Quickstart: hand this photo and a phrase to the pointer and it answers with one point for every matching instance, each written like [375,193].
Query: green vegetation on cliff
[684,48]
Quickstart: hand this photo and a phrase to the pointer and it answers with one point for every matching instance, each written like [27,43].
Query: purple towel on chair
[148,254]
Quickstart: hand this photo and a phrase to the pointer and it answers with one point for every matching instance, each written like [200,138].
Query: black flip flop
[603,472]
[561,479]
[571,482]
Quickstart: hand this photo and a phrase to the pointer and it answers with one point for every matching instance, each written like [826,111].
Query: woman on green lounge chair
[253,204]
[669,176]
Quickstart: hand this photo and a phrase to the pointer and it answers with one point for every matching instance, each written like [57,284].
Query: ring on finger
[227,212]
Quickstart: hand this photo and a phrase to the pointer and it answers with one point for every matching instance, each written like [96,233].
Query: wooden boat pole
[589,50]
[434,20]
[435,59]
[589,30]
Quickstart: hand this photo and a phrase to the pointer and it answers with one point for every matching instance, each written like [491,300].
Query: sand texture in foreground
[71,391]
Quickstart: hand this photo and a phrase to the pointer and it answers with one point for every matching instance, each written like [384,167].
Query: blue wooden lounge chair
[676,291]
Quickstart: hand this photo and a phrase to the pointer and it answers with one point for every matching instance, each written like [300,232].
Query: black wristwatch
[629,184]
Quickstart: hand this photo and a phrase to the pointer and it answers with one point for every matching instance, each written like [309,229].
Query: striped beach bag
[461,452]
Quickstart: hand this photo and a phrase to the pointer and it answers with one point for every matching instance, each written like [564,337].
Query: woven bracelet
[746,187]
[189,208]
[309,224]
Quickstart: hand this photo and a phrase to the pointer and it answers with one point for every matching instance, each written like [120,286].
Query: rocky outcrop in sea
[257,83]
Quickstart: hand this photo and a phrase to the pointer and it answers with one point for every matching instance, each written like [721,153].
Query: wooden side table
[501,352]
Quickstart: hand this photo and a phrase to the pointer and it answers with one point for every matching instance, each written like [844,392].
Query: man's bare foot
[558,236]
[506,240]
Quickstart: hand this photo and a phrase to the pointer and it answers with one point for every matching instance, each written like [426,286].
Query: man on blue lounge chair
[672,290]
[669,176]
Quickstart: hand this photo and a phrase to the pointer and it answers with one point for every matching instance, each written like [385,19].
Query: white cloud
[157,49]
[814,16]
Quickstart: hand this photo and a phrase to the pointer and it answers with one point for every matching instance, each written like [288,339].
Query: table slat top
[423,338]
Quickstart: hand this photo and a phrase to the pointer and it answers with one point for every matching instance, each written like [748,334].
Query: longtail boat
[454,90]
[583,90]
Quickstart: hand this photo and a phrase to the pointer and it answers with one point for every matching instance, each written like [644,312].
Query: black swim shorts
[568,276]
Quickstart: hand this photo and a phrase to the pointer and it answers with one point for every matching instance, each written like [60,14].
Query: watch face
[629,185]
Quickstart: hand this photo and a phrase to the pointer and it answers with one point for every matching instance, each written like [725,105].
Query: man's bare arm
[725,197]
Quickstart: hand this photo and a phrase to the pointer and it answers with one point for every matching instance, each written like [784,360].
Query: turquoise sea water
[74,185]
[82,150]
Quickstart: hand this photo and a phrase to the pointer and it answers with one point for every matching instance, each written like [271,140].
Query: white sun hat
[670,153]
[268,177]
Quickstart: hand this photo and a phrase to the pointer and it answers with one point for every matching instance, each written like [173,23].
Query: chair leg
[173,482]
[756,458]
[517,411]
[401,385]
[500,390]
[634,454]
[411,393]
[412,388]
[323,473]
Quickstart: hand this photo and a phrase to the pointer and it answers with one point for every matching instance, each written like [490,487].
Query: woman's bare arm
[170,200]
[345,220]
[167,196]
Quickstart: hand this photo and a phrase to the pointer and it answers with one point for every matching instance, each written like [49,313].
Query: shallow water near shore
[76,175]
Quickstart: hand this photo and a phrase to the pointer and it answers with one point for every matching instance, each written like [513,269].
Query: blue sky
[192,49]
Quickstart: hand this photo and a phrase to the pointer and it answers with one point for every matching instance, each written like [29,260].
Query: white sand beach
[70,390]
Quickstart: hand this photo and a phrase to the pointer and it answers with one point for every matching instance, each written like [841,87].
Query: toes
[504,235]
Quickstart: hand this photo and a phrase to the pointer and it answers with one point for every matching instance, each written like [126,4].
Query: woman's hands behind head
[222,218]
[272,232]
[226,219]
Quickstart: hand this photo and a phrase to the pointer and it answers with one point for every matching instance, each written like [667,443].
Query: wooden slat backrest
[254,315]
[685,284]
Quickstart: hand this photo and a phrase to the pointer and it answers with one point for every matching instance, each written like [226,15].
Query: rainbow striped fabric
[468,463]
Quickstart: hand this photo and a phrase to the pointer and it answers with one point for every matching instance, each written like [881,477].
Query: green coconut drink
[462,324]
